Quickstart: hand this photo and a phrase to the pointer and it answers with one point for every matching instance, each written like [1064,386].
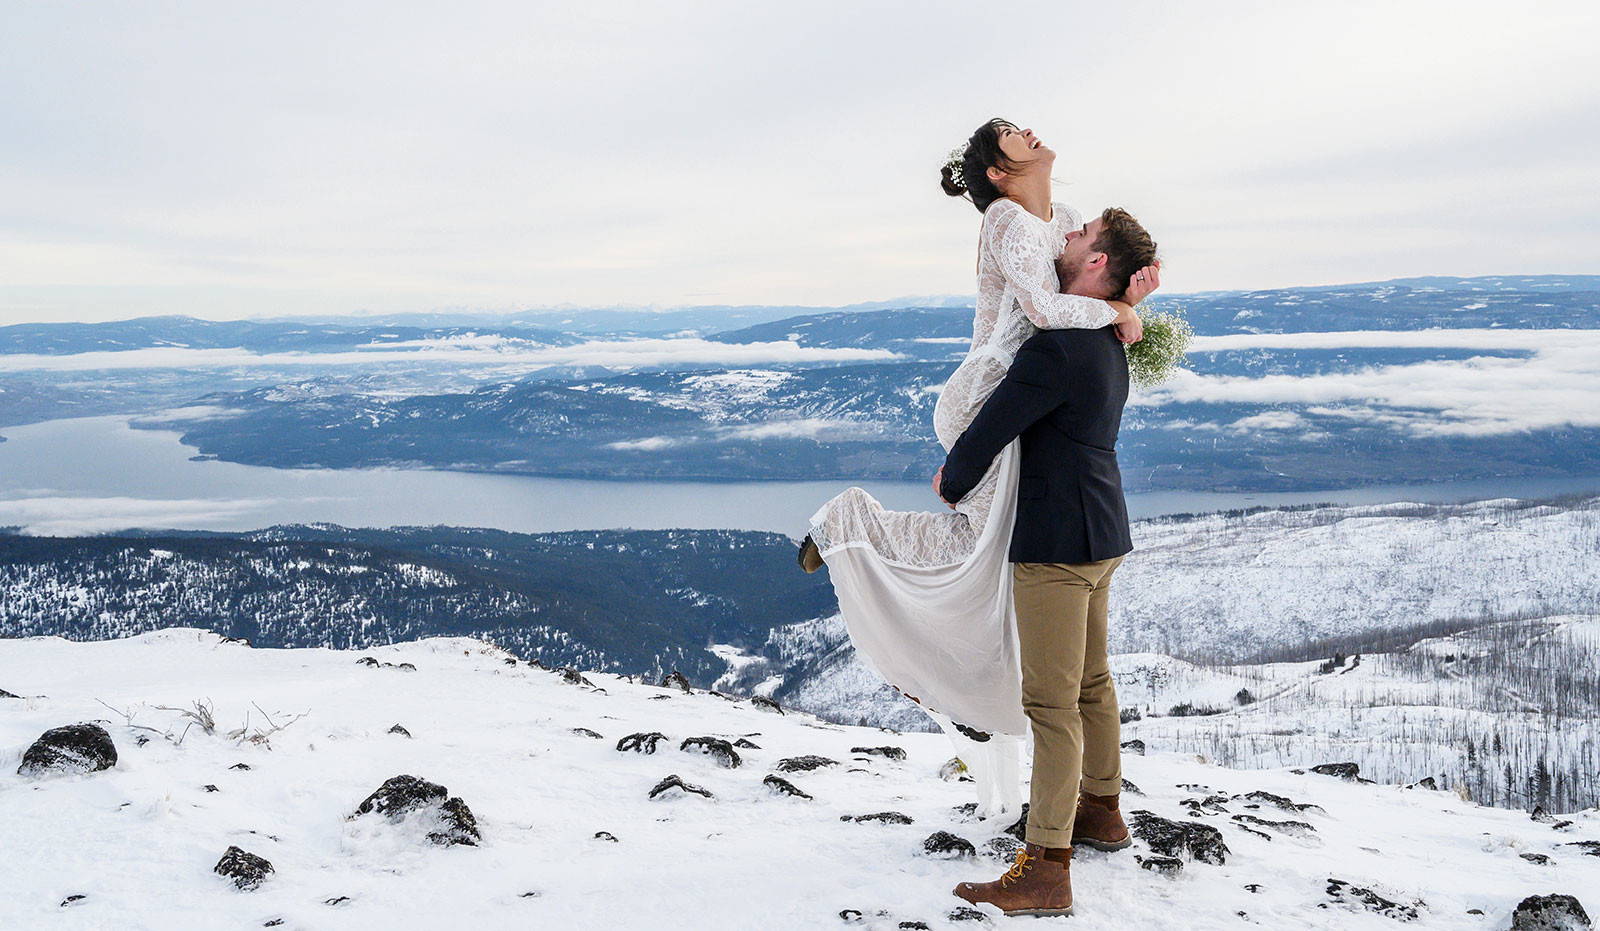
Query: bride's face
[1025,149]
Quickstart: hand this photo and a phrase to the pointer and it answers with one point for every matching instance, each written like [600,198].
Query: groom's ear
[1097,260]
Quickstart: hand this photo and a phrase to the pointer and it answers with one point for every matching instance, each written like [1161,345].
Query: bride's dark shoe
[810,557]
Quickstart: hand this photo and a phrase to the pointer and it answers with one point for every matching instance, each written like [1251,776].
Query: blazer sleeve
[1035,385]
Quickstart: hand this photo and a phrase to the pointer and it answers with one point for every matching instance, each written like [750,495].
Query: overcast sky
[227,159]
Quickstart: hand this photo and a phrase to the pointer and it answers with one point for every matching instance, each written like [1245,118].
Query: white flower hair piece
[958,157]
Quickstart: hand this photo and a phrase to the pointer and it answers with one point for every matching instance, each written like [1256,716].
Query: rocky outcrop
[74,748]
[947,846]
[715,747]
[641,742]
[247,870]
[1174,838]
[782,786]
[402,795]
[674,787]
[804,764]
[888,753]
[1550,913]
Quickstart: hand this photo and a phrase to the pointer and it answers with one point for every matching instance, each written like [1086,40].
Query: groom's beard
[1067,275]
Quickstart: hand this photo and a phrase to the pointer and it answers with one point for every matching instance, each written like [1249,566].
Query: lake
[96,474]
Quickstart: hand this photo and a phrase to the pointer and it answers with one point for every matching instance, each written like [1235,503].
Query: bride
[926,596]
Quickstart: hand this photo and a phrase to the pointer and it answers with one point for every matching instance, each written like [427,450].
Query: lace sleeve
[1028,264]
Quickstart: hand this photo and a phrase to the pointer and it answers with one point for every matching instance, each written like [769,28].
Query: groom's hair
[1128,248]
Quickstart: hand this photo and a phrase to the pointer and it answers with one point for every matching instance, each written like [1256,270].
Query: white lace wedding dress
[926,596]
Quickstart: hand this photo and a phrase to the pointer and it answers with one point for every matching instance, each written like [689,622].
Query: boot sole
[810,559]
[1038,912]
[1123,844]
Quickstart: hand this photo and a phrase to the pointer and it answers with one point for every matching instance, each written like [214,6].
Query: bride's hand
[1129,327]
[1142,283]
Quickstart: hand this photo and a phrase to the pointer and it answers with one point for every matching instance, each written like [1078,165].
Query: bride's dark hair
[971,178]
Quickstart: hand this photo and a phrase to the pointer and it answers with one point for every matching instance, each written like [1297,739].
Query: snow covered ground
[139,841]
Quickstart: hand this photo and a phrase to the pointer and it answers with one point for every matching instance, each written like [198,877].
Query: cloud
[1557,385]
[1390,339]
[608,353]
[75,516]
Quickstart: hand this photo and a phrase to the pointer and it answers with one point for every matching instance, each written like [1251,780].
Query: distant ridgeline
[622,601]
[1270,406]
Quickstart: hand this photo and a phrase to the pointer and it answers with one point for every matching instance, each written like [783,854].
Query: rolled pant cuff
[1102,786]
[1045,837]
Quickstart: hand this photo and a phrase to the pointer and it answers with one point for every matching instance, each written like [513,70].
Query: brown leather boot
[1098,823]
[1039,883]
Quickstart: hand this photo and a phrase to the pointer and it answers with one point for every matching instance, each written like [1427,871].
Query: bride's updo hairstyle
[966,174]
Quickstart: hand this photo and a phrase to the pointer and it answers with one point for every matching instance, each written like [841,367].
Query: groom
[1064,396]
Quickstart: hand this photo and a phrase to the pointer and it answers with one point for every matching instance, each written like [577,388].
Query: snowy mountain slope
[1229,586]
[1508,713]
[138,841]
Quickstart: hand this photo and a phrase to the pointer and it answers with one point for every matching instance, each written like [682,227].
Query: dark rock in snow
[247,870]
[1280,801]
[210,788]
[1294,828]
[585,732]
[912,926]
[1550,913]
[673,787]
[1348,894]
[74,748]
[677,680]
[605,836]
[456,824]
[1341,770]
[972,733]
[1019,829]
[336,900]
[966,913]
[1134,746]
[1003,848]
[408,667]
[1426,782]
[367,661]
[1590,847]
[889,753]
[1172,838]
[1252,887]
[851,914]
[719,750]
[1166,866]
[641,743]
[397,729]
[884,817]
[804,764]
[1538,858]
[401,794]
[573,677]
[245,767]
[783,786]
[1131,788]
[6,694]
[1541,816]
[238,640]
[72,900]
[743,743]
[948,846]
[765,704]
[141,740]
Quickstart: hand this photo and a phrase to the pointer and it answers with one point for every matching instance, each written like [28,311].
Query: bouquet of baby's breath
[1159,355]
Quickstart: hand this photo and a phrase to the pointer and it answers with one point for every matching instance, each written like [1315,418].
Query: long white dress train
[926,596]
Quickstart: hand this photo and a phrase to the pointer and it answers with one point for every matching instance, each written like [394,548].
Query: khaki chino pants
[1067,691]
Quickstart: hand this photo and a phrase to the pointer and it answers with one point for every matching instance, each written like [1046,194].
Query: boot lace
[1023,864]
